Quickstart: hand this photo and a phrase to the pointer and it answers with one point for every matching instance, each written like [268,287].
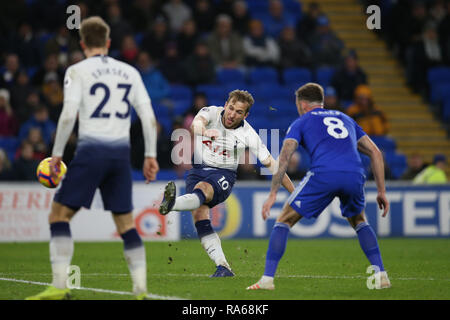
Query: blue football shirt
[330,137]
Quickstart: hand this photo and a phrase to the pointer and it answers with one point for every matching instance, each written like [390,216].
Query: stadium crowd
[186,48]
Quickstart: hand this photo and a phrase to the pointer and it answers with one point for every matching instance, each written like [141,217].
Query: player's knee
[123,221]
[60,213]
[355,220]
[201,213]
[207,190]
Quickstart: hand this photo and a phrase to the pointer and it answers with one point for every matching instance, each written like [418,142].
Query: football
[43,173]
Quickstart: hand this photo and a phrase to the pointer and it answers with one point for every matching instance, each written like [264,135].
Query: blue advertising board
[416,211]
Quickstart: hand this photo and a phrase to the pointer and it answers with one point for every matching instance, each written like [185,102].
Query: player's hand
[213,134]
[268,205]
[55,167]
[383,203]
[150,169]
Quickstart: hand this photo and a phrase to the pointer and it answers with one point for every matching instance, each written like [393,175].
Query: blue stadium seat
[283,107]
[181,106]
[446,110]
[231,76]
[213,91]
[324,75]
[385,143]
[263,75]
[438,91]
[438,74]
[10,145]
[270,91]
[180,92]
[397,163]
[296,76]
[257,7]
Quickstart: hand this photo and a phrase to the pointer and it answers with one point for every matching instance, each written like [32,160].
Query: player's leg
[210,241]
[369,244]
[61,252]
[203,192]
[134,251]
[352,206]
[277,246]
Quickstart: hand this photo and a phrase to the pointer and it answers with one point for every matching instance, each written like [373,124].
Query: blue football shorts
[86,173]
[222,181]
[317,190]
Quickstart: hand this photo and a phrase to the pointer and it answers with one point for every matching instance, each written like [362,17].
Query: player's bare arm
[198,127]
[369,148]
[289,147]
[272,165]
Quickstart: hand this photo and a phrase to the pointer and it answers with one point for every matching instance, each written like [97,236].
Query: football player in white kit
[221,136]
[100,92]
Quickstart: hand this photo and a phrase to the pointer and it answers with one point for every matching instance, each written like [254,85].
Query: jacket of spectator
[155,83]
[260,50]
[40,119]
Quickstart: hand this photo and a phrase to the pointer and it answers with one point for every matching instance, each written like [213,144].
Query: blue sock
[60,229]
[131,239]
[369,244]
[204,228]
[277,246]
[201,196]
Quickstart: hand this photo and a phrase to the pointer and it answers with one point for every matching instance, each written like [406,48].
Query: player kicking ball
[101,91]
[222,135]
[333,140]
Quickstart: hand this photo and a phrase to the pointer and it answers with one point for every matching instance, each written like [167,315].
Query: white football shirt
[103,90]
[226,150]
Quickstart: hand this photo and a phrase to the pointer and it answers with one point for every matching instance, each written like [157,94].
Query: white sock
[266,279]
[187,202]
[212,245]
[138,268]
[61,252]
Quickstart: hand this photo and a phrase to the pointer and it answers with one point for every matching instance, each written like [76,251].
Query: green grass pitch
[310,269]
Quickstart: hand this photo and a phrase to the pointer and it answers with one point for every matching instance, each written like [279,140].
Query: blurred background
[394,81]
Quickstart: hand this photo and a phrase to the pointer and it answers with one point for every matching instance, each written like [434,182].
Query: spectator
[331,100]
[41,120]
[240,16]
[415,166]
[225,45]
[139,13]
[348,77]
[247,169]
[260,50]
[8,121]
[9,75]
[444,35]
[128,50]
[6,173]
[25,111]
[75,57]
[294,52]
[50,65]
[24,167]
[434,173]
[19,94]
[187,38]
[26,46]
[277,19]
[119,27]
[171,65]
[39,147]
[307,24]
[155,83]
[204,16]
[178,13]
[61,45]
[199,67]
[293,168]
[52,92]
[325,45]
[366,114]
[155,41]
[225,7]
[422,55]
[200,101]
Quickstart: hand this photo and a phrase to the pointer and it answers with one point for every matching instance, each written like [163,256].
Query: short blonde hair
[242,96]
[94,32]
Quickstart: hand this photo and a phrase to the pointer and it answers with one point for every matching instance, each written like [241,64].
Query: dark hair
[94,32]
[310,92]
